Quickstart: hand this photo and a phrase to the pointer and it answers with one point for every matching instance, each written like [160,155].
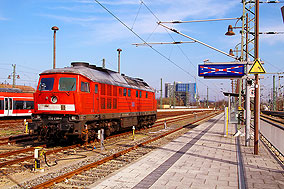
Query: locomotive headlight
[53,99]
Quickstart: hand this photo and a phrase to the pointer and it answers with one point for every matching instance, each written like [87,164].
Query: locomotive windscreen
[46,84]
[67,84]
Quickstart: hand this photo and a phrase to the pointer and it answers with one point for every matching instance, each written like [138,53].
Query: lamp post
[54,28]
[119,50]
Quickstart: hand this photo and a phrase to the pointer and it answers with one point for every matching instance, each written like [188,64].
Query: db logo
[251,92]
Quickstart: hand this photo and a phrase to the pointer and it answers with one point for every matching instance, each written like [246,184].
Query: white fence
[273,133]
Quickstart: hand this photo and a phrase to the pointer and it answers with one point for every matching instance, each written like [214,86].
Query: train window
[109,91]
[129,92]
[124,92]
[67,84]
[146,94]
[85,87]
[10,103]
[96,88]
[1,104]
[140,94]
[109,103]
[46,84]
[103,103]
[6,104]
[29,105]
[18,105]
[137,94]
[114,103]
[114,90]
[120,91]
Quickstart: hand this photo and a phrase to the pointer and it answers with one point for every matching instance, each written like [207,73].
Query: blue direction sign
[221,70]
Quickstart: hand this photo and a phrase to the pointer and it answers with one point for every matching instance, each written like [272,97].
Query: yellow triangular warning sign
[257,68]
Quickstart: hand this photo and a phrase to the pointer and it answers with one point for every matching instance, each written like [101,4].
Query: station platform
[201,158]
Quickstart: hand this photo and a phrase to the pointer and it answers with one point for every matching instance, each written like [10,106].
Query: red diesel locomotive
[13,102]
[79,100]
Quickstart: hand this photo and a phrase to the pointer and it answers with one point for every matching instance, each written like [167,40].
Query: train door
[96,98]
[8,106]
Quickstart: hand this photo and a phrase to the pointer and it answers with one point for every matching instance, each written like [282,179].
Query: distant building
[183,91]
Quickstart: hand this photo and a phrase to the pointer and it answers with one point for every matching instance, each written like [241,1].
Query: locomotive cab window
[85,87]
[67,84]
[46,84]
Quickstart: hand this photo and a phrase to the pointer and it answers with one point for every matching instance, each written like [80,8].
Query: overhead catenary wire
[137,15]
[158,52]
[176,42]
[180,21]
[144,40]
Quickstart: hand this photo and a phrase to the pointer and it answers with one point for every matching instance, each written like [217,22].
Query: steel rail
[19,151]
[20,139]
[11,162]
[271,121]
[113,156]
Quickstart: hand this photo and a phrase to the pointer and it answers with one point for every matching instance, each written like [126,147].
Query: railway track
[117,155]
[31,149]
[273,118]
[17,139]
[21,160]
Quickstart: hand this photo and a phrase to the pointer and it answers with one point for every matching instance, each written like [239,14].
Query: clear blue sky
[89,33]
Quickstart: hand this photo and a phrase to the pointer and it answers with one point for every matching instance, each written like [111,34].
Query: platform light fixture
[230,31]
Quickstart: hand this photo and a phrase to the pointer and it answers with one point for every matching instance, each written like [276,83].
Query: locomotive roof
[102,75]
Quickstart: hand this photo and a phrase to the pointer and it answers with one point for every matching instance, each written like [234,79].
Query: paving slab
[201,158]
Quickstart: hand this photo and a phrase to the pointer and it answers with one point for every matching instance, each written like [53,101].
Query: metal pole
[174,94]
[54,48]
[161,98]
[229,107]
[257,84]
[278,94]
[54,28]
[119,50]
[207,99]
[179,21]
[186,95]
[248,112]
[14,75]
[274,94]
[104,63]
